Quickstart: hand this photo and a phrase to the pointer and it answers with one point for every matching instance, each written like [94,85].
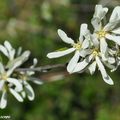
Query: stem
[42,68]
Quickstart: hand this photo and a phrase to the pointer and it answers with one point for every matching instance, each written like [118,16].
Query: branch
[42,68]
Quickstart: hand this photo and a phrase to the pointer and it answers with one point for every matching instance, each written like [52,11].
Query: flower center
[101,33]
[4,76]
[77,46]
[23,77]
[95,53]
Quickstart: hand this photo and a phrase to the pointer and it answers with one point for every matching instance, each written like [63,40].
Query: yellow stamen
[95,53]
[4,76]
[101,33]
[77,46]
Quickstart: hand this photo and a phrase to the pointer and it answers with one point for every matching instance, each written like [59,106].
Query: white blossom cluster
[97,49]
[12,81]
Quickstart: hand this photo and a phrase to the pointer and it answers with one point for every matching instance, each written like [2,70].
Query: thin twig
[42,68]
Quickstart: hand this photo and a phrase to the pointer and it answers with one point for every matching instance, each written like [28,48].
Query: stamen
[95,53]
[77,46]
[101,33]
[4,76]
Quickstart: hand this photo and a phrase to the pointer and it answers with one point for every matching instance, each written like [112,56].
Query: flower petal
[116,31]
[99,14]
[35,80]
[103,48]
[73,62]
[3,101]
[16,83]
[1,84]
[18,61]
[11,51]
[60,53]
[85,44]
[95,40]
[4,50]
[16,95]
[92,68]
[29,90]
[110,26]
[105,76]
[83,30]
[115,14]
[2,70]
[85,52]
[81,65]
[113,38]
[64,37]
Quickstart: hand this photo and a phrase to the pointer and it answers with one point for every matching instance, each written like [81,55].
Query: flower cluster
[10,82]
[99,48]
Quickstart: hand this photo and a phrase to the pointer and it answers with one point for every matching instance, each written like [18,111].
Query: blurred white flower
[7,83]
[80,48]
[110,31]
[27,76]
[95,59]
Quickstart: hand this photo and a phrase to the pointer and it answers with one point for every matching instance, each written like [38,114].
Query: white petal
[3,101]
[35,80]
[116,31]
[64,37]
[60,53]
[85,44]
[105,76]
[23,94]
[95,40]
[13,67]
[85,52]
[103,48]
[83,30]
[115,14]
[110,26]
[81,65]
[96,24]
[114,38]
[18,61]
[29,91]
[16,95]
[73,62]
[111,60]
[2,70]
[100,12]
[1,84]
[4,51]
[11,51]
[16,83]
[92,68]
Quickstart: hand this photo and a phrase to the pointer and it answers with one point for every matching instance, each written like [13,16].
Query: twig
[42,68]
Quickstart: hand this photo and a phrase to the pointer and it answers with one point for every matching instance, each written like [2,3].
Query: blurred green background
[33,25]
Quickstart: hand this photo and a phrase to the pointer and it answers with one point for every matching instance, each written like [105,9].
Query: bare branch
[42,68]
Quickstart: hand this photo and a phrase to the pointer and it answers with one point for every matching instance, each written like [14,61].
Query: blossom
[80,48]
[7,83]
[109,31]
[25,77]
[93,60]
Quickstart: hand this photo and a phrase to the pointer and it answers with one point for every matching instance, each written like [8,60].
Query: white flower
[110,31]
[27,76]
[7,83]
[80,48]
[91,61]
